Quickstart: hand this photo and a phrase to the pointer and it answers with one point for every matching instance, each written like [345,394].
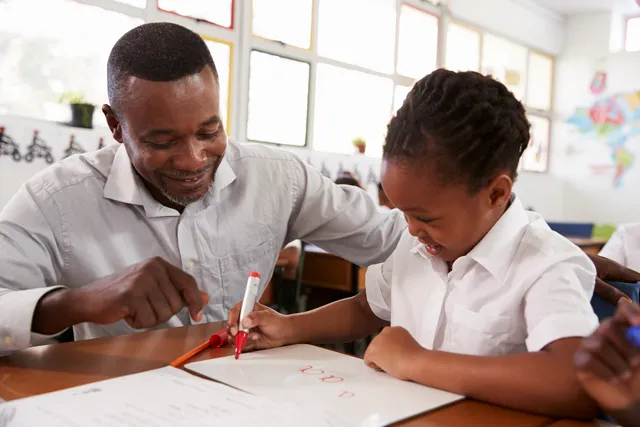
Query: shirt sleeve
[378,288]
[558,304]
[32,261]
[614,248]
[343,220]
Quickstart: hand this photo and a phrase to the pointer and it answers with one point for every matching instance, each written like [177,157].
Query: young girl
[482,297]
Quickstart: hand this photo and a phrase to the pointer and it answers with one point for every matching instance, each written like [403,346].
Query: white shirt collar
[503,238]
[125,185]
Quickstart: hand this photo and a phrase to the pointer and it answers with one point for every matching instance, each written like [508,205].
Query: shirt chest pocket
[481,334]
[235,268]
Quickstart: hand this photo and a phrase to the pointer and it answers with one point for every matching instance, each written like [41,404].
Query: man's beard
[184,200]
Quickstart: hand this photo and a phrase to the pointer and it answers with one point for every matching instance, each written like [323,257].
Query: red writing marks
[326,378]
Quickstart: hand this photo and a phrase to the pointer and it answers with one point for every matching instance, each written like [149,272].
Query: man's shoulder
[240,151]
[69,173]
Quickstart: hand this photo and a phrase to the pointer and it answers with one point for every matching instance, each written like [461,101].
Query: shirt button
[8,340]
[190,265]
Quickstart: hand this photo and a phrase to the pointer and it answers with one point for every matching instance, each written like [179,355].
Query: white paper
[307,374]
[160,398]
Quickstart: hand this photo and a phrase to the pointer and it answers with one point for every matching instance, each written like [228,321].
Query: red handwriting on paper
[326,378]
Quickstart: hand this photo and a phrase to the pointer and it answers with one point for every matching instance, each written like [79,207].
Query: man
[164,228]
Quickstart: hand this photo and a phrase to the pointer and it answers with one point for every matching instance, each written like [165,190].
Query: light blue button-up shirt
[90,215]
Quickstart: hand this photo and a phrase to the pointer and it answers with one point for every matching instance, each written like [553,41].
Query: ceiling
[574,7]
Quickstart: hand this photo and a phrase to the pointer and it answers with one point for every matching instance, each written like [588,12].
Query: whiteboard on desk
[336,382]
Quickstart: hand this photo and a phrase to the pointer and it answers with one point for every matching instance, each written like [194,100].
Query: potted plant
[360,144]
[81,111]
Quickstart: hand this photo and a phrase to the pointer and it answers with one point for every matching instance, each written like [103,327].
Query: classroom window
[278,99]
[42,59]
[536,157]
[417,42]
[219,12]
[463,48]
[539,81]
[358,32]
[506,62]
[350,104]
[399,95]
[632,36]
[285,21]
[221,53]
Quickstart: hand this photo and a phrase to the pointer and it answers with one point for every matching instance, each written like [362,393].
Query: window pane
[417,42]
[221,53]
[506,62]
[399,96]
[217,12]
[463,48]
[350,104]
[345,35]
[137,3]
[540,80]
[286,21]
[278,99]
[42,59]
[632,42]
[536,157]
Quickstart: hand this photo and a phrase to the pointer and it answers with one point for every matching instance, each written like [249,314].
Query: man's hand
[393,351]
[609,270]
[608,366]
[144,295]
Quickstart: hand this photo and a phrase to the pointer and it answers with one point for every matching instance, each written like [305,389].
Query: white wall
[13,174]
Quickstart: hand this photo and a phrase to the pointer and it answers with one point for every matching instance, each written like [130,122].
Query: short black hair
[159,52]
[347,178]
[470,125]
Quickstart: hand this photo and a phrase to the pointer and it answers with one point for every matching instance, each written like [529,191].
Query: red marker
[249,301]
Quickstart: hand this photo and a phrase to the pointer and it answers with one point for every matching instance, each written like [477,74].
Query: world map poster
[613,121]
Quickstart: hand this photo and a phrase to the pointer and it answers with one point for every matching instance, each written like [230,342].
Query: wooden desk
[49,368]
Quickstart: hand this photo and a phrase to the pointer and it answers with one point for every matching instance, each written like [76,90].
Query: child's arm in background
[557,312]
[608,366]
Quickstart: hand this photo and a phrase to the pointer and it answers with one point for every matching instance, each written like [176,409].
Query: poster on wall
[536,157]
[613,121]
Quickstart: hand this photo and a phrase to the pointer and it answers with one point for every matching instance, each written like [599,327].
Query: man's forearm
[55,312]
[539,382]
[339,322]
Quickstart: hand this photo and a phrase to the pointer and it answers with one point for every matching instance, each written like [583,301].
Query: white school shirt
[624,246]
[520,288]
[90,216]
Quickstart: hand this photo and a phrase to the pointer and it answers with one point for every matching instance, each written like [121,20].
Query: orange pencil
[217,340]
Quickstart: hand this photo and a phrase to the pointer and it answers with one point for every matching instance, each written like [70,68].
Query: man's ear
[112,122]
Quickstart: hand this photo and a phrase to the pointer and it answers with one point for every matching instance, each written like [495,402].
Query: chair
[605,309]
[288,292]
[572,229]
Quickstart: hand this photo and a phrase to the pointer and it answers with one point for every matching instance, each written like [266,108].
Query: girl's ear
[500,190]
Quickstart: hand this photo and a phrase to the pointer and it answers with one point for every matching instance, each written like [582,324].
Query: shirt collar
[503,239]
[125,185]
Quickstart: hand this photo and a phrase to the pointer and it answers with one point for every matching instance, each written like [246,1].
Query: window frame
[246,103]
[626,32]
[239,36]
[199,20]
[311,56]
